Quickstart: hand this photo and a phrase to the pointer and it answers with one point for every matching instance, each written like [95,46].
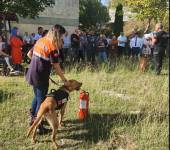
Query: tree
[156,10]
[92,12]
[114,3]
[118,23]
[25,8]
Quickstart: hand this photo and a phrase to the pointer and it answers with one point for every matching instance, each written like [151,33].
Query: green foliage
[118,24]
[92,12]
[25,8]
[149,9]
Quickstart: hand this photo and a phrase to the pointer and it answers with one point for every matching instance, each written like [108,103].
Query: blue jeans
[103,56]
[40,93]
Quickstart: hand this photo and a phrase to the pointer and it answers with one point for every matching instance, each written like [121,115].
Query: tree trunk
[4,20]
[9,23]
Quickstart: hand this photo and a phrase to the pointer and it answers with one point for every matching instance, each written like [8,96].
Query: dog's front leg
[34,135]
[34,132]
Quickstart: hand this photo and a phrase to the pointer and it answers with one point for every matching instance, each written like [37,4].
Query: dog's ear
[67,84]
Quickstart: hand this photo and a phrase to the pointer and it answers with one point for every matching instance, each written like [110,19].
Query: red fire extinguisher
[84,105]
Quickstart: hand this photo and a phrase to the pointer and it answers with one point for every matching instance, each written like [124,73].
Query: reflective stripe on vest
[43,48]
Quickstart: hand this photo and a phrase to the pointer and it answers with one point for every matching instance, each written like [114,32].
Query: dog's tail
[37,121]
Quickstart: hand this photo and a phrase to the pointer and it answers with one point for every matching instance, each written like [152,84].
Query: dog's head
[73,85]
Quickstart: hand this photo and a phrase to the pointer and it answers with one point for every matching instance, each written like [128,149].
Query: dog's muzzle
[78,88]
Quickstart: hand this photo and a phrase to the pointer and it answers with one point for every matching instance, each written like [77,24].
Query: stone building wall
[64,12]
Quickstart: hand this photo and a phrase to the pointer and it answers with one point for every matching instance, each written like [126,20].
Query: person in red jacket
[16,49]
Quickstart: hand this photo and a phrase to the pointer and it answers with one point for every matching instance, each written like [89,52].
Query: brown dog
[55,100]
[143,64]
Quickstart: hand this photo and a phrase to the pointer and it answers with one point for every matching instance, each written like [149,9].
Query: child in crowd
[102,49]
[145,53]
[146,50]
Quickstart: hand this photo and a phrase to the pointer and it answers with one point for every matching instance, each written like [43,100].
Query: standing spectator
[26,38]
[91,47]
[136,44]
[107,41]
[27,46]
[44,33]
[75,45]
[44,54]
[159,41]
[113,44]
[102,49]
[32,38]
[129,37]
[83,44]
[39,34]
[16,49]
[67,44]
[122,40]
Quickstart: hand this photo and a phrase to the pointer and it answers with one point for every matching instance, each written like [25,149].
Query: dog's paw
[55,145]
[61,125]
[34,141]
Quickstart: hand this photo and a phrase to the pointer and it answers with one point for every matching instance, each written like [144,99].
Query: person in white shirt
[122,40]
[136,44]
[26,38]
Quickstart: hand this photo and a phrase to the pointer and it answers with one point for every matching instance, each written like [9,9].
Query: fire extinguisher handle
[87,93]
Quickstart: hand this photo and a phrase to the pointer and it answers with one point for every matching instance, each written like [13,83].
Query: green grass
[125,106]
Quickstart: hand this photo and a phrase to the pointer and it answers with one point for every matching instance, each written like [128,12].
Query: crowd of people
[90,47]
[94,48]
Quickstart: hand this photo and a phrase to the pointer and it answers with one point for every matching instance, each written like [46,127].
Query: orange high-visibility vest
[43,48]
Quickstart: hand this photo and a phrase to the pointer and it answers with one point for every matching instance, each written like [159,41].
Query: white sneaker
[14,71]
